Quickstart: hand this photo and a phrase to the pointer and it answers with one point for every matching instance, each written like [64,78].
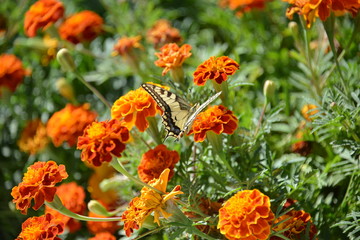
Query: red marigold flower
[149,201]
[84,26]
[217,119]
[310,9]
[12,72]
[309,110]
[162,33]
[246,215]
[33,138]
[217,69]
[242,6]
[72,197]
[42,14]
[155,161]
[98,227]
[103,236]
[172,56]
[38,183]
[69,123]
[103,140]
[43,227]
[296,224]
[125,45]
[134,107]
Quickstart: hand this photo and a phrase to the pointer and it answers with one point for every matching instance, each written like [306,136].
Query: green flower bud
[97,208]
[66,61]
[269,89]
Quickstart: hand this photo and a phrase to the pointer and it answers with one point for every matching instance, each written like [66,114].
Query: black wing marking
[175,109]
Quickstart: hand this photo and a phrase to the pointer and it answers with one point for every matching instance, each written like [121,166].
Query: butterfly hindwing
[178,115]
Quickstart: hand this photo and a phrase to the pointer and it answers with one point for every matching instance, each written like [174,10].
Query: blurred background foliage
[325,182]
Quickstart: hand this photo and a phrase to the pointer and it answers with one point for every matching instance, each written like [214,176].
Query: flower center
[97,130]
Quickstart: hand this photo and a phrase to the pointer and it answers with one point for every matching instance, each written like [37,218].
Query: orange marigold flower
[84,26]
[310,9]
[33,138]
[42,14]
[69,123]
[12,72]
[217,69]
[162,33]
[38,183]
[98,227]
[296,223]
[172,56]
[72,197]
[101,173]
[242,6]
[217,119]
[149,201]
[103,140]
[155,161]
[246,215]
[103,236]
[309,110]
[125,45]
[43,227]
[134,107]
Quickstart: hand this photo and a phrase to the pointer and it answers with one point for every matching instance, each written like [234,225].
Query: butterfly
[178,115]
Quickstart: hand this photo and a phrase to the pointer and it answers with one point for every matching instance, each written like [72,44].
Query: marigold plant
[155,161]
[12,72]
[246,215]
[162,32]
[242,6]
[133,108]
[69,123]
[98,227]
[310,9]
[125,45]
[100,173]
[72,197]
[217,119]
[81,27]
[103,140]
[43,227]
[41,15]
[33,137]
[103,236]
[38,184]
[296,223]
[308,111]
[149,201]
[217,69]
[171,56]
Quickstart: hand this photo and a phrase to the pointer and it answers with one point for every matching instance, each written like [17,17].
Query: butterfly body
[178,115]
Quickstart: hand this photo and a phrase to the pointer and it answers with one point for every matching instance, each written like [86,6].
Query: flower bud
[293,26]
[97,208]
[65,89]
[66,61]
[269,89]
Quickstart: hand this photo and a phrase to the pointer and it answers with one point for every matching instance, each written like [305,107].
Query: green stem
[314,77]
[329,26]
[57,205]
[116,163]
[153,130]
[261,117]
[94,90]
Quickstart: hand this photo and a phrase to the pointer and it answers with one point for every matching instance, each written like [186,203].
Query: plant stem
[94,90]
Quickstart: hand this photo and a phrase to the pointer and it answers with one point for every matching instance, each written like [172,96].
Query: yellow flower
[149,201]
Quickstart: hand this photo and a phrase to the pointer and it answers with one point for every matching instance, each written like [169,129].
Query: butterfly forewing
[178,115]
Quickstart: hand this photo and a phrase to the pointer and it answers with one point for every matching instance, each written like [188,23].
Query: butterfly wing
[176,110]
[190,120]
